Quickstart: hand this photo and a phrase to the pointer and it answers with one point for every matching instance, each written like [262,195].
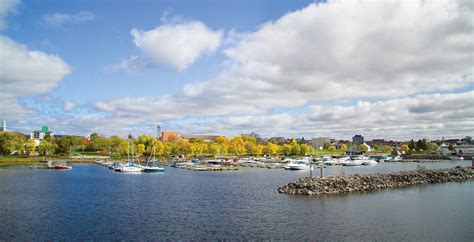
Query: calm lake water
[91,202]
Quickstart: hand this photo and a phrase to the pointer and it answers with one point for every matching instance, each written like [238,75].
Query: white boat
[355,161]
[329,161]
[298,166]
[397,158]
[130,168]
[369,162]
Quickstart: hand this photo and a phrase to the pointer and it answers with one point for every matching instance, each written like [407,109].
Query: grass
[328,152]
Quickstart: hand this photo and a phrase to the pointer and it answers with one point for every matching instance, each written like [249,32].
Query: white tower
[158,131]
[4,126]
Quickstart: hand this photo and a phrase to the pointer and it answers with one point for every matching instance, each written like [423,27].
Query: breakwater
[332,185]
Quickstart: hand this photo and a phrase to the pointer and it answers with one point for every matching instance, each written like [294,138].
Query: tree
[159,148]
[11,143]
[421,145]
[306,149]
[387,148]
[271,149]
[332,148]
[64,144]
[184,147]
[213,149]
[344,147]
[47,147]
[432,146]
[123,147]
[404,148]
[412,145]
[363,147]
[30,147]
[140,149]
[222,140]
[286,149]
[295,148]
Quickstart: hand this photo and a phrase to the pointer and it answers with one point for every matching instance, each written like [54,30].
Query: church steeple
[4,126]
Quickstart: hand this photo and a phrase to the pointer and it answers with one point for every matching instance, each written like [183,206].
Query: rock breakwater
[332,185]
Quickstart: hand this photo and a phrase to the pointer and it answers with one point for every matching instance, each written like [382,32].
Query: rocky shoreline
[333,185]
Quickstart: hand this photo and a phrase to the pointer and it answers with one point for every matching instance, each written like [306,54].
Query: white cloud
[433,116]
[328,52]
[130,65]
[341,49]
[6,7]
[61,19]
[177,44]
[26,72]
[69,106]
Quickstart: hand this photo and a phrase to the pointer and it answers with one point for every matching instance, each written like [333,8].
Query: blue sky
[279,68]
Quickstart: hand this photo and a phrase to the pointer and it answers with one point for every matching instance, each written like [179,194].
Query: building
[464,150]
[358,139]
[167,136]
[206,138]
[318,143]
[4,126]
[252,135]
[41,134]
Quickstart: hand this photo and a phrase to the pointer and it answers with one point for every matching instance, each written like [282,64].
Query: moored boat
[62,167]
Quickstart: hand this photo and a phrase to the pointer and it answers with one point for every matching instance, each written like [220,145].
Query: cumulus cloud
[177,44]
[6,7]
[432,116]
[26,73]
[130,65]
[328,52]
[61,19]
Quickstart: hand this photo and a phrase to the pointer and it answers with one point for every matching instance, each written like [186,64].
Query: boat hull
[63,167]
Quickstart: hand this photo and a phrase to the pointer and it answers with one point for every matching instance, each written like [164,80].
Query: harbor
[182,204]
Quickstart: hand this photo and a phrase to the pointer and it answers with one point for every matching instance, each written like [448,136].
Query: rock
[371,182]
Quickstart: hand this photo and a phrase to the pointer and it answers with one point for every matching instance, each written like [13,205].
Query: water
[90,202]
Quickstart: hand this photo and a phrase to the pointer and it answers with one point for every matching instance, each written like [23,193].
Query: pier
[332,185]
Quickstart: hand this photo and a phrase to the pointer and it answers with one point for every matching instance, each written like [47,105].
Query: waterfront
[91,202]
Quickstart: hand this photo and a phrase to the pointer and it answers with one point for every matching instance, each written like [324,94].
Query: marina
[91,202]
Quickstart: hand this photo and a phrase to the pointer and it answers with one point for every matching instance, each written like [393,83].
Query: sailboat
[150,165]
[129,166]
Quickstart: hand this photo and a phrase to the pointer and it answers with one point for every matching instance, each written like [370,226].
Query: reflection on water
[91,202]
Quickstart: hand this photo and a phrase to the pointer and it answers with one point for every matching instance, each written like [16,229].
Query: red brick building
[167,136]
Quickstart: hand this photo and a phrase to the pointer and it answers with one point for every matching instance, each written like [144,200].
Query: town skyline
[397,71]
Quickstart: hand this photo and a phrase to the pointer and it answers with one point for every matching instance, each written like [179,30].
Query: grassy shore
[28,161]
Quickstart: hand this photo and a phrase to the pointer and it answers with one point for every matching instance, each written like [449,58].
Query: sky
[384,69]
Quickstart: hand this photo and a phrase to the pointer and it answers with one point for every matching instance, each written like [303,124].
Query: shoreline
[334,185]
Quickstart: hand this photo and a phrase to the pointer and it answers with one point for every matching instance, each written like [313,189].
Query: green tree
[213,149]
[12,143]
[332,148]
[363,147]
[140,149]
[286,149]
[387,148]
[30,147]
[404,148]
[412,145]
[433,146]
[222,140]
[421,145]
[47,147]
[271,149]
[306,149]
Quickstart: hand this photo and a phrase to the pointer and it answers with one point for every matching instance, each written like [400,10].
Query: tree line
[13,143]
